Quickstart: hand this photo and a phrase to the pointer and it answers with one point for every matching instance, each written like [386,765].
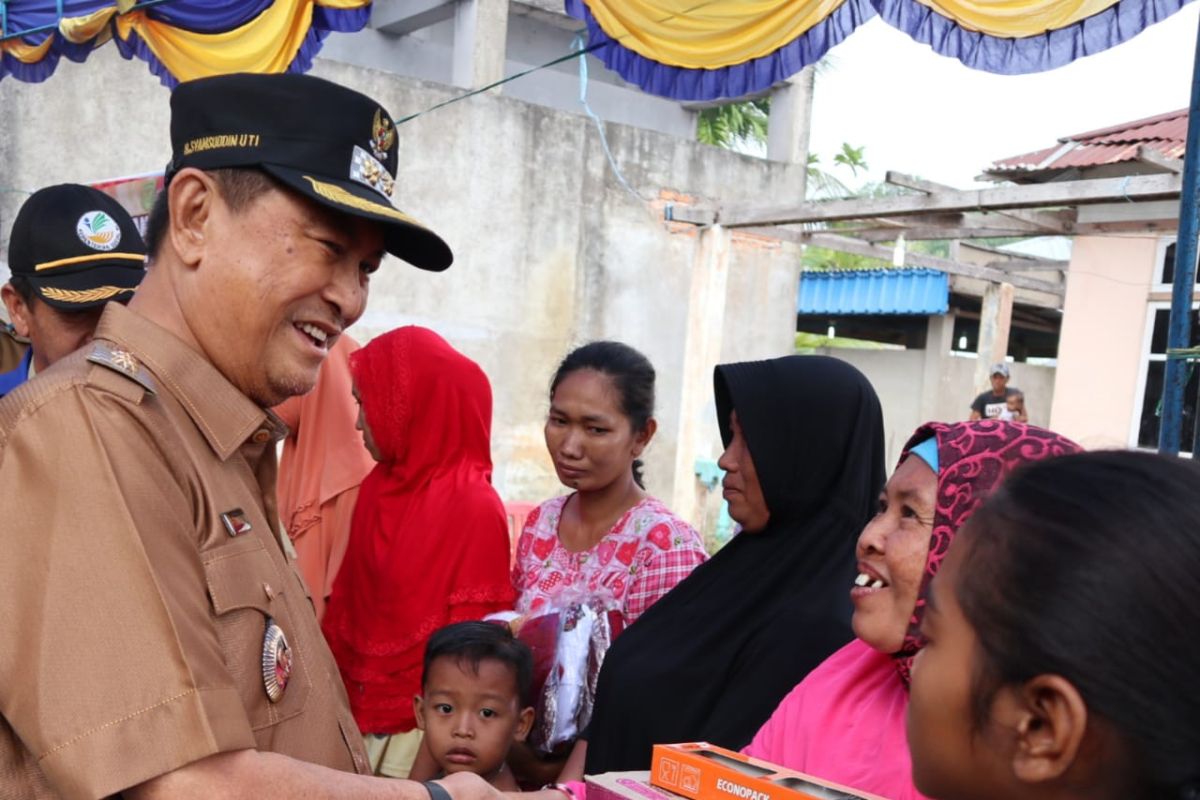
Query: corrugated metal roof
[1164,133]
[881,291]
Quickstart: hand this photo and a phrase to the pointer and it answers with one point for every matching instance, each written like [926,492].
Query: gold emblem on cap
[337,194]
[276,661]
[383,134]
[82,295]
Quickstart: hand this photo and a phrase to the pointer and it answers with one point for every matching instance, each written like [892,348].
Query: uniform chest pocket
[256,634]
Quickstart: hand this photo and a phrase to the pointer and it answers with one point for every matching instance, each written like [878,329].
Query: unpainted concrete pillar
[995,320]
[480,42]
[939,341]
[701,351]
[790,123]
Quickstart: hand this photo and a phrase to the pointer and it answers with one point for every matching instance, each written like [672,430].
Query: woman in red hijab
[429,539]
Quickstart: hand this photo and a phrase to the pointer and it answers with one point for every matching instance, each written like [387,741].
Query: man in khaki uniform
[155,641]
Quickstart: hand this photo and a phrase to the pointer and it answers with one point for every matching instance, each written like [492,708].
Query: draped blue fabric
[199,16]
[1009,56]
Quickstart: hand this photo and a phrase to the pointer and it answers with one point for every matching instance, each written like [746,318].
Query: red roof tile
[1164,133]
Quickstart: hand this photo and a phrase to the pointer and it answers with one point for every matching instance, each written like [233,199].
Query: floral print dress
[646,553]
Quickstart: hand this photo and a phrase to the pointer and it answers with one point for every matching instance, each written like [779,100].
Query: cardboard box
[701,771]
[625,786]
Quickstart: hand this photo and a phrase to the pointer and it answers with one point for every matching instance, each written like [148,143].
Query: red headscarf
[973,458]
[429,542]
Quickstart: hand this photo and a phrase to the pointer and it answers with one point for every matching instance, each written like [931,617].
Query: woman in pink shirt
[845,722]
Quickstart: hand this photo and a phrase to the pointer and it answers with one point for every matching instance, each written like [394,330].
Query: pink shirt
[645,554]
[845,723]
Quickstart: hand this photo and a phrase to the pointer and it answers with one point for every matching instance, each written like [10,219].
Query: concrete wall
[550,250]
[898,378]
[1103,335]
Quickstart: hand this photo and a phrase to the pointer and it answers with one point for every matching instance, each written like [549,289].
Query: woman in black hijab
[713,658]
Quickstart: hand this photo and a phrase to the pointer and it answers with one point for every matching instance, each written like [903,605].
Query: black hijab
[713,658]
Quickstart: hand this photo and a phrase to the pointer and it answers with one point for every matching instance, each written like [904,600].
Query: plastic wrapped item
[569,645]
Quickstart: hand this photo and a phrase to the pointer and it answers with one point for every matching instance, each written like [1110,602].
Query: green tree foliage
[731,124]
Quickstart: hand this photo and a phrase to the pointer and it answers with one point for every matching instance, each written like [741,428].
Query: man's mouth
[320,337]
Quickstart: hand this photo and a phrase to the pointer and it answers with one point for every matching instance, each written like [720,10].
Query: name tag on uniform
[235,522]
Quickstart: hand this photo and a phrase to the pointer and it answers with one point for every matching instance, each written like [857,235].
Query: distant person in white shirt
[999,403]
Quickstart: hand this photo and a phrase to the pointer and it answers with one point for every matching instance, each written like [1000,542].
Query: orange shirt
[141,570]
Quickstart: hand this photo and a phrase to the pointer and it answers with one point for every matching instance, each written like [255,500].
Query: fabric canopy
[179,39]
[710,49]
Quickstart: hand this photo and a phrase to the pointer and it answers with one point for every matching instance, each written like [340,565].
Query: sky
[927,115]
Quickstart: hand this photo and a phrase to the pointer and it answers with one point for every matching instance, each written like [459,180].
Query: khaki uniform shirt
[132,618]
[12,349]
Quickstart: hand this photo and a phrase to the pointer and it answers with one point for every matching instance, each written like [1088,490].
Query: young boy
[1015,408]
[474,700]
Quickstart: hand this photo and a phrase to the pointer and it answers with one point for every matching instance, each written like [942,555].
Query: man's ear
[1050,720]
[524,724]
[643,437]
[193,194]
[419,711]
[18,309]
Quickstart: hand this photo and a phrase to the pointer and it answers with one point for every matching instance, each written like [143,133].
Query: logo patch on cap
[383,134]
[370,172]
[98,231]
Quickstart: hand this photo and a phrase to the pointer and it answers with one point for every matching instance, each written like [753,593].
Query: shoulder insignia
[107,354]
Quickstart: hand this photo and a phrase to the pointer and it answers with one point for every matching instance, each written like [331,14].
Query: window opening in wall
[1154,367]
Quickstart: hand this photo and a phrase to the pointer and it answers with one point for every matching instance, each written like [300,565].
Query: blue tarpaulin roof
[879,291]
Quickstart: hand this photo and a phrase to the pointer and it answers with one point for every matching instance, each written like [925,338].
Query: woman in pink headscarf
[322,466]
[845,721]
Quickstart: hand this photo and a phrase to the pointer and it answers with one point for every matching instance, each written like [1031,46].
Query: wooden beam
[1059,222]
[1135,188]
[1148,155]
[1028,264]
[918,184]
[845,244]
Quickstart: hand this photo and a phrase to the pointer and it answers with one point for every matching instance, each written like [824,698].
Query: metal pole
[1179,334]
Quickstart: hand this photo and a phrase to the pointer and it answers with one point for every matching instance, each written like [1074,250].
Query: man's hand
[469,786]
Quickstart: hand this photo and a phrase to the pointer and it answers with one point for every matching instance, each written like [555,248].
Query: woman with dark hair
[608,535]
[845,721]
[1061,657]
[804,461]
[608,538]
[429,537]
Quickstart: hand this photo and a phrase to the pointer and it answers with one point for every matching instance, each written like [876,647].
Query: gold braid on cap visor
[84,295]
[339,195]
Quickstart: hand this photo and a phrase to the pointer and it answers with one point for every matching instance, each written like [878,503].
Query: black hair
[476,642]
[23,287]
[631,373]
[238,186]
[1084,566]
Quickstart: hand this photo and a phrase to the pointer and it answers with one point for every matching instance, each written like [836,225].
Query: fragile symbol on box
[668,772]
[690,779]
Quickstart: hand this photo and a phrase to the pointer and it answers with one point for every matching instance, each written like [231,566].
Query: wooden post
[939,341]
[701,351]
[995,319]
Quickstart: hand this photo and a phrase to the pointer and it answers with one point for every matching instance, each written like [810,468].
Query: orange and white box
[702,771]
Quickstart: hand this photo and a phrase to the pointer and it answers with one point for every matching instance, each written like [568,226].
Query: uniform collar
[225,416]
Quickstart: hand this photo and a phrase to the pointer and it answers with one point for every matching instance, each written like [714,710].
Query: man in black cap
[72,250]
[156,640]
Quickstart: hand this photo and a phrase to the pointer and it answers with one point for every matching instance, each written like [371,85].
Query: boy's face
[1014,402]
[471,717]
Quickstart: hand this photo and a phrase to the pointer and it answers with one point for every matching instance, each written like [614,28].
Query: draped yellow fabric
[83,29]
[706,35]
[1017,18]
[29,54]
[268,43]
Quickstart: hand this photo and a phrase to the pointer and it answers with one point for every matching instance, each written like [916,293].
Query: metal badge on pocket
[235,522]
[276,661]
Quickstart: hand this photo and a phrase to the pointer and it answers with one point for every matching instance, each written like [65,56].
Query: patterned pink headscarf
[973,458]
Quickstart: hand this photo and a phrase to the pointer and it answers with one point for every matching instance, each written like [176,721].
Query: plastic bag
[569,645]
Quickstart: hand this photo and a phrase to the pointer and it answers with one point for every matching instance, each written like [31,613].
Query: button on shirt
[140,575]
